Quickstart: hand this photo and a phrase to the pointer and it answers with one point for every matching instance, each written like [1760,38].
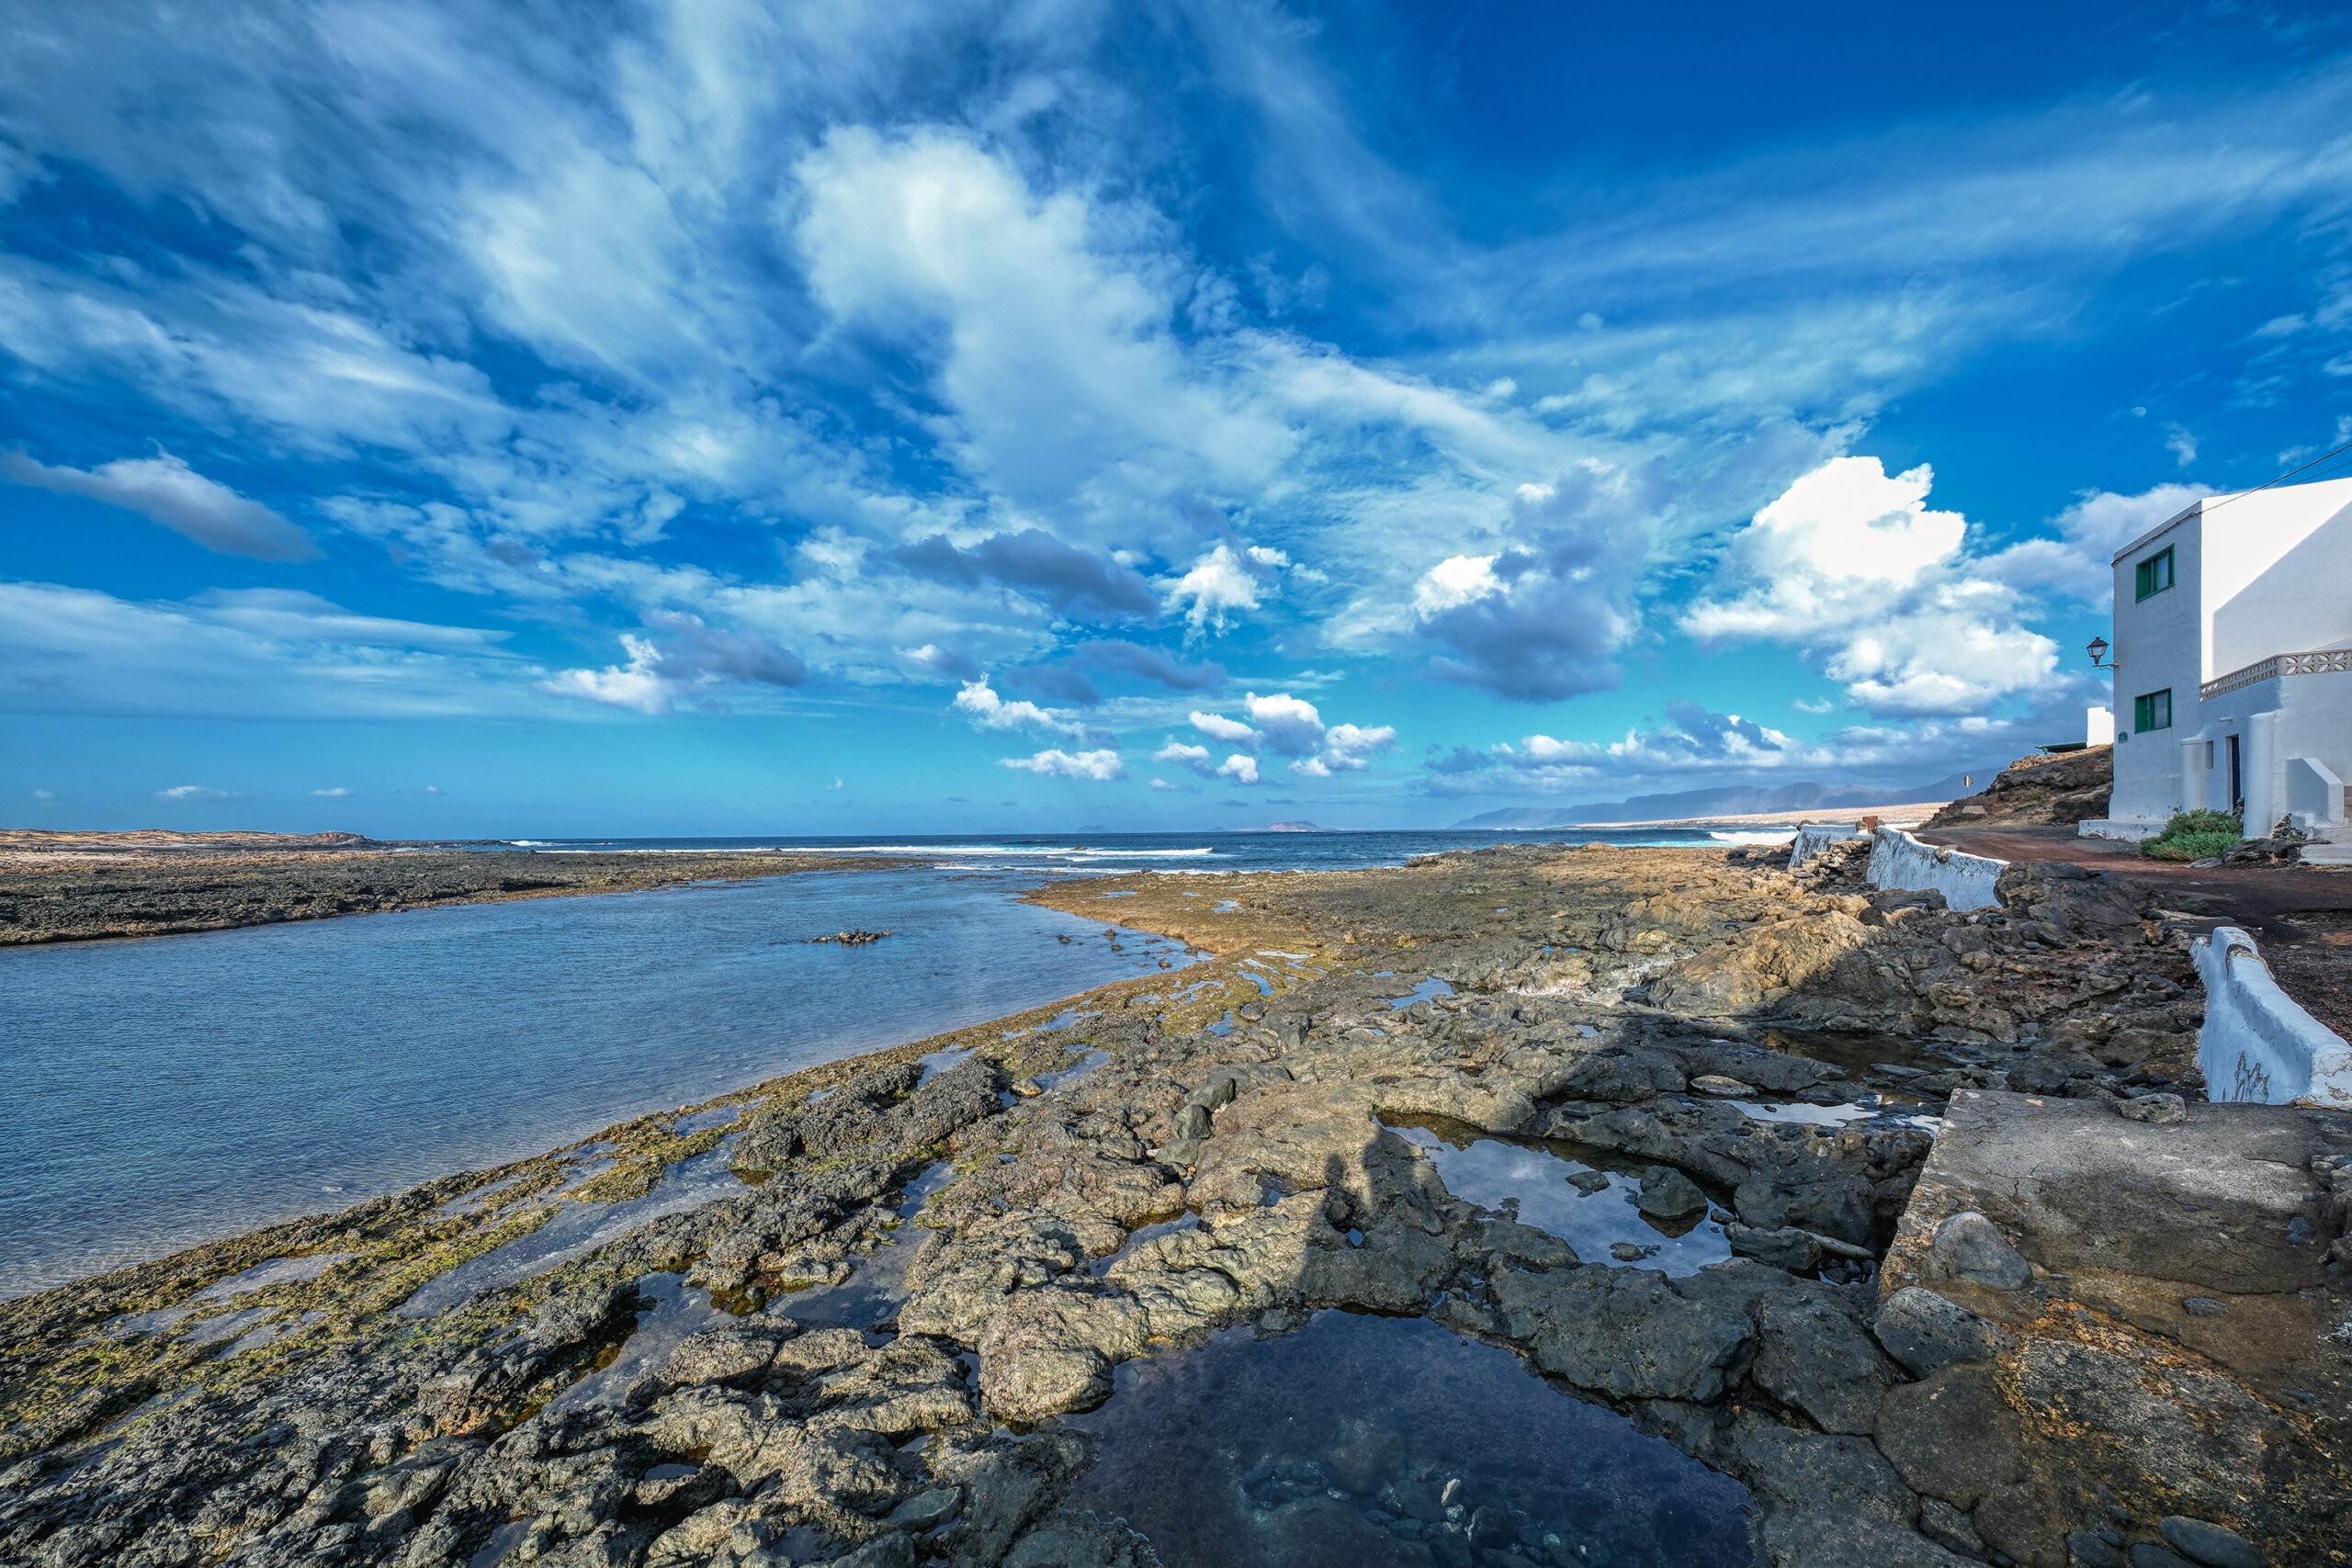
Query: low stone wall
[2257,1044]
[1816,836]
[1966,881]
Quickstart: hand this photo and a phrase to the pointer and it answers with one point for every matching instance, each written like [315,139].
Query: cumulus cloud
[338,793]
[979,704]
[1101,766]
[1216,726]
[1287,726]
[1223,583]
[690,661]
[1163,785]
[1065,578]
[1538,620]
[164,489]
[1851,566]
[179,793]
[1239,766]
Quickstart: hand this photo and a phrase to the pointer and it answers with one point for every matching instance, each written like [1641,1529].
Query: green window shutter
[2153,711]
[2152,575]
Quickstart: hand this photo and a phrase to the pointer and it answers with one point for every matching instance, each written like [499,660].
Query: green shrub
[2193,835]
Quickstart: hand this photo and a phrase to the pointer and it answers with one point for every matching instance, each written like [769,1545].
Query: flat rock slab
[2178,1348]
[2209,1203]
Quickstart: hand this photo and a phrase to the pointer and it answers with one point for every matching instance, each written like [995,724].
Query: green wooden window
[2152,712]
[2156,573]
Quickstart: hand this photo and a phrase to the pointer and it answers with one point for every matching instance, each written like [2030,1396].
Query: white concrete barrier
[1966,881]
[2256,1043]
[1816,836]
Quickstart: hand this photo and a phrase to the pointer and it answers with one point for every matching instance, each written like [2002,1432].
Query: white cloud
[2078,563]
[1162,784]
[164,489]
[1103,766]
[338,793]
[2181,443]
[1852,568]
[44,794]
[193,792]
[1216,726]
[1454,582]
[691,664]
[980,703]
[1287,725]
[1816,707]
[637,684]
[1220,584]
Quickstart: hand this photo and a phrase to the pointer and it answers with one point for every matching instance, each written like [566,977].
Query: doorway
[2237,786]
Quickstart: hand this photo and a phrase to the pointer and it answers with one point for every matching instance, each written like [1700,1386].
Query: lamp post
[2098,651]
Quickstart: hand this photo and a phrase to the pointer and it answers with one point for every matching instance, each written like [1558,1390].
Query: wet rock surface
[1243,1162]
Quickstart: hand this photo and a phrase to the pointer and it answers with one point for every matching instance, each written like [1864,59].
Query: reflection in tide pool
[1589,1208]
[1372,1442]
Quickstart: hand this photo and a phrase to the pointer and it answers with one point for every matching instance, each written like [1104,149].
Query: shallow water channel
[1375,1442]
[181,1087]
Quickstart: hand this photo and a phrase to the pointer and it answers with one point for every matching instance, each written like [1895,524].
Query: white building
[2234,664]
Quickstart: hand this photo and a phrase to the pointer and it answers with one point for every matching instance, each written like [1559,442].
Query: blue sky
[708,418]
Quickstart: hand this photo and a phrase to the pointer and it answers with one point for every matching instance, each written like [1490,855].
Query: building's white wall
[2265,575]
[2158,644]
[2099,726]
[2277,573]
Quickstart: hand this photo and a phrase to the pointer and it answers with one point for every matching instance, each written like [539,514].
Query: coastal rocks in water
[1970,1247]
[883,1111]
[1668,1194]
[855,938]
[1628,1333]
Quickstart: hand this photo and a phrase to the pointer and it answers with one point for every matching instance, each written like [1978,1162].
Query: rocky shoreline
[1977,1344]
[97,890]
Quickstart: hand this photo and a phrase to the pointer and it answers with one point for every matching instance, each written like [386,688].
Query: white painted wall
[2256,1043]
[2158,644]
[1816,836]
[2099,726]
[1966,881]
[2274,573]
[2265,575]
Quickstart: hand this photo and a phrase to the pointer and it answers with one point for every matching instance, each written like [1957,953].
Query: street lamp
[2098,651]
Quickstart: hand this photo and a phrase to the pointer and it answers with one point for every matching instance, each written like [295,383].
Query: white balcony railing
[2326,662]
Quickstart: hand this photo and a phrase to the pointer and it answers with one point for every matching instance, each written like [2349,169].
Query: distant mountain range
[1727,800]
